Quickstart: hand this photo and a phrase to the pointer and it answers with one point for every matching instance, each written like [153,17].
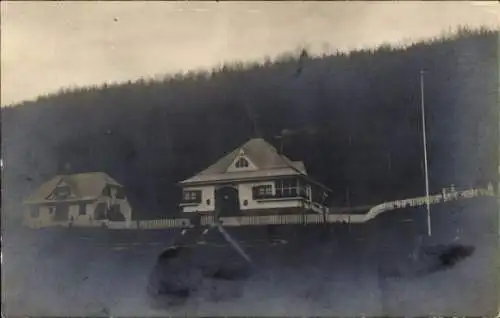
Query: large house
[85,199]
[253,180]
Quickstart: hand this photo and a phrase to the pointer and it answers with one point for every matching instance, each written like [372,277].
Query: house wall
[245,193]
[45,218]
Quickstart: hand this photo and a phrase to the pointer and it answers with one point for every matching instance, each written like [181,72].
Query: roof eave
[324,187]
[181,183]
[189,182]
[33,202]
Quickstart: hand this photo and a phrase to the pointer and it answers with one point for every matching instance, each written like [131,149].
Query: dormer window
[241,163]
[61,192]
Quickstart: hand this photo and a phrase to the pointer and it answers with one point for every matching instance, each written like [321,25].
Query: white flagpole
[424,137]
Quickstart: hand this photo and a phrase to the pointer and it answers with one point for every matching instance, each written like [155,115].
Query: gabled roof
[84,186]
[267,159]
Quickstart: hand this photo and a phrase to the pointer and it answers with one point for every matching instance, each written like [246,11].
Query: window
[100,211]
[193,196]
[115,214]
[188,196]
[287,188]
[265,190]
[208,201]
[241,163]
[60,193]
[120,193]
[82,209]
[34,211]
[262,191]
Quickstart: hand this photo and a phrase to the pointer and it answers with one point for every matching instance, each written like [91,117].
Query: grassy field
[89,273]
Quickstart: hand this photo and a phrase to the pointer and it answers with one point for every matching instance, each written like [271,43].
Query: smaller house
[84,199]
[254,179]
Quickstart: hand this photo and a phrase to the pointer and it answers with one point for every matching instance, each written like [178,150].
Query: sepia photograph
[250,158]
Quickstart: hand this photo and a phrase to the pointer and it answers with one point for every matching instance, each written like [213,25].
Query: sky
[48,45]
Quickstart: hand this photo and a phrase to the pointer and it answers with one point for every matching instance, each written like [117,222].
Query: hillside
[357,117]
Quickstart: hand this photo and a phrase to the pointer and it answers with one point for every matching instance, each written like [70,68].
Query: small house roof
[84,186]
[267,159]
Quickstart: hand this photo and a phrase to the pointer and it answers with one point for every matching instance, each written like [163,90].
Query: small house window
[208,201]
[241,163]
[287,188]
[245,202]
[120,193]
[100,211]
[82,209]
[263,191]
[61,192]
[191,196]
[34,212]
[115,214]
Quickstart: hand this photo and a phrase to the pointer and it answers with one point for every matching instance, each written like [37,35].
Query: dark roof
[84,186]
[267,159]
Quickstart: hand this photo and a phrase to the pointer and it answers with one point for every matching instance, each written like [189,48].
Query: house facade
[253,179]
[85,200]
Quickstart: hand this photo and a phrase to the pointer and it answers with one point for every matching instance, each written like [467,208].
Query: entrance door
[227,202]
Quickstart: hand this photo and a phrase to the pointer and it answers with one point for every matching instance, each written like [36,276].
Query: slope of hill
[358,115]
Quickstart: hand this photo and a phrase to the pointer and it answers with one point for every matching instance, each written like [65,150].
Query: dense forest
[353,118]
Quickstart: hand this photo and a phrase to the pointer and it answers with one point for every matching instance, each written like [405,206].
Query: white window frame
[242,162]
[280,187]
[189,195]
[265,189]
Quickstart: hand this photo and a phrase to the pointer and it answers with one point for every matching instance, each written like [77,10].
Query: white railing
[282,219]
[421,201]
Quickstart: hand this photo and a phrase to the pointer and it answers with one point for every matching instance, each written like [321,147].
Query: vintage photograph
[250,158]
